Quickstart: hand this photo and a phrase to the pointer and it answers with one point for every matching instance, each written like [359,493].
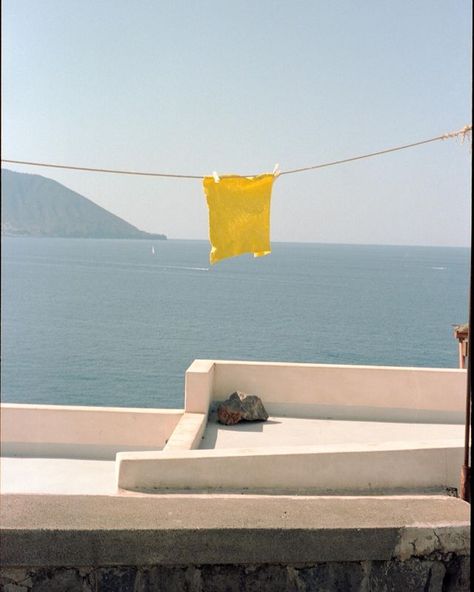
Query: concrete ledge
[64,431]
[227,529]
[188,432]
[322,468]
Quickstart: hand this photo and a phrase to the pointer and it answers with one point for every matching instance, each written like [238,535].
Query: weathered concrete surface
[227,529]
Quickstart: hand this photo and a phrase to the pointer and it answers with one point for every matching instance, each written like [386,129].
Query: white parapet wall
[158,448]
[188,432]
[199,385]
[322,469]
[369,393]
[380,393]
[62,431]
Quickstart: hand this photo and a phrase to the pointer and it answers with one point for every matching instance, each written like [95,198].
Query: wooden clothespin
[276,170]
[216,177]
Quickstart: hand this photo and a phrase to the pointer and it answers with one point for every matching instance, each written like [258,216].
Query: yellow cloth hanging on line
[239,215]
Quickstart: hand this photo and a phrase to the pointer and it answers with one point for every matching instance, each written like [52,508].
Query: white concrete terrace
[298,431]
[359,477]
[332,428]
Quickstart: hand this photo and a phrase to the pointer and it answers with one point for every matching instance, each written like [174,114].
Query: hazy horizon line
[273,242]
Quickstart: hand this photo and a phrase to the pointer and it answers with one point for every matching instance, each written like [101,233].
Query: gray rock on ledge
[241,407]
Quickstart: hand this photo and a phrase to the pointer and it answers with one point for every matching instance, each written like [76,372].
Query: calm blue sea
[109,322]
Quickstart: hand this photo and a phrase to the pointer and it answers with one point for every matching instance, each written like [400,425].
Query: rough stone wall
[446,573]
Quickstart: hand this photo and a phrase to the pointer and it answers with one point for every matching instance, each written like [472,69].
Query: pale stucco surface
[291,431]
[331,428]
[67,431]
[59,476]
[82,476]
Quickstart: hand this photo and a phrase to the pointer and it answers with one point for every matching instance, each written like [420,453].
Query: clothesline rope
[462,133]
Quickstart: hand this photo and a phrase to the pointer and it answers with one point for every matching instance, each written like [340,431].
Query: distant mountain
[33,205]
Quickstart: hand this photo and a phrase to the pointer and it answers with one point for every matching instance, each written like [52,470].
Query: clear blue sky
[192,86]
